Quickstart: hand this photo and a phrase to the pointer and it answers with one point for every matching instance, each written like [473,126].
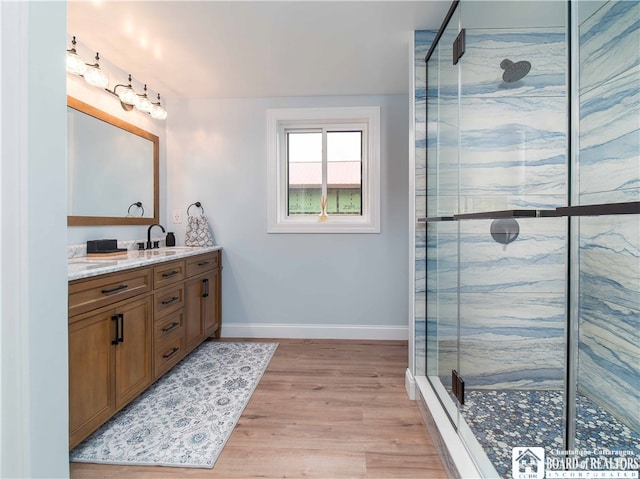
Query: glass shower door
[512,262]
[442,203]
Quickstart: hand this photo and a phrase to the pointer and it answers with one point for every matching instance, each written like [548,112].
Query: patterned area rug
[186,417]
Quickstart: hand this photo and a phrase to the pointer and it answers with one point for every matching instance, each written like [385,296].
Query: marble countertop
[85,267]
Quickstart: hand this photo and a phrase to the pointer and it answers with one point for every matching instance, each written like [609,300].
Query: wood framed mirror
[113,169]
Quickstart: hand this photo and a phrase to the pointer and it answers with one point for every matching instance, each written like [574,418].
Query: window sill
[332,225]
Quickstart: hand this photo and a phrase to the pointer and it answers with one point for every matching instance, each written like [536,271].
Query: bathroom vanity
[131,320]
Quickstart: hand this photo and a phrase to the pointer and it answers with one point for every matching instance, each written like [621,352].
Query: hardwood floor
[324,409]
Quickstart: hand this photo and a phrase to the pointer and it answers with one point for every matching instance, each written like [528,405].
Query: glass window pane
[304,161]
[344,172]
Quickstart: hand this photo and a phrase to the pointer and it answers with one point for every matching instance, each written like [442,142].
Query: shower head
[514,71]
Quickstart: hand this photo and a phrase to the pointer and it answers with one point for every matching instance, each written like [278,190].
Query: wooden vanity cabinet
[127,329]
[110,352]
[202,299]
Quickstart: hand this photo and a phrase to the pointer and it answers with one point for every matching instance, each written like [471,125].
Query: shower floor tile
[503,419]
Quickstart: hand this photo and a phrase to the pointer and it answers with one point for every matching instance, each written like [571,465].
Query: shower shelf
[630,208]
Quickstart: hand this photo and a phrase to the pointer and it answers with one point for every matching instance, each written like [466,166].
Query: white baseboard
[314,331]
[410,384]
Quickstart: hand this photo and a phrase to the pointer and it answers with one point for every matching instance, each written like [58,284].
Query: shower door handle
[459,46]
[457,386]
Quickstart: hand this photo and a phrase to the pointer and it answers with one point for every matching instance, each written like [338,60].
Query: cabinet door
[211,304]
[133,354]
[91,379]
[193,311]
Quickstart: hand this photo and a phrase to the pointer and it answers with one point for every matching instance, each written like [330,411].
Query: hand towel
[198,232]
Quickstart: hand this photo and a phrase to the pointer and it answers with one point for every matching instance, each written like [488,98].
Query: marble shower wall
[513,135]
[512,141]
[609,247]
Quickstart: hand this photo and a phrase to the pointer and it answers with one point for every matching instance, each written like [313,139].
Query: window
[324,156]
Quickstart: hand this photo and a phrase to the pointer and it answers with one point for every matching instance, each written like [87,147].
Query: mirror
[113,169]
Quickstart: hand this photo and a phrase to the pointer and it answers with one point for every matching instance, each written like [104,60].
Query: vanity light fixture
[129,99]
[94,76]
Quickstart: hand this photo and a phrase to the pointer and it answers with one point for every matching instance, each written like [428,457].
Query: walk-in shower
[527,294]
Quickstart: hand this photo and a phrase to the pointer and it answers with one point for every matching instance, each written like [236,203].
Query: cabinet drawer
[167,300]
[172,325]
[201,263]
[168,353]
[85,295]
[168,273]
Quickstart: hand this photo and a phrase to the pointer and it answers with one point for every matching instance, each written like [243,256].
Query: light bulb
[143,103]
[94,76]
[127,95]
[75,64]
[157,112]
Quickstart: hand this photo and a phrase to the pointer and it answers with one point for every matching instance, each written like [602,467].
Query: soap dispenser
[171,239]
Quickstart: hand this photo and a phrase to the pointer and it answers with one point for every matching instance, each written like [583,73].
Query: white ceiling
[235,49]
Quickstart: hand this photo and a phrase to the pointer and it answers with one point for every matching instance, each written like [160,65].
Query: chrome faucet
[149,245]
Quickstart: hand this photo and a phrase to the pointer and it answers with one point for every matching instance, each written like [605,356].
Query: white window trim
[277,219]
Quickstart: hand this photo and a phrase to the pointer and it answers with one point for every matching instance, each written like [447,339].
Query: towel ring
[138,204]
[197,204]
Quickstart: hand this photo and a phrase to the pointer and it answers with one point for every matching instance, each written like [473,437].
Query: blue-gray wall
[33,321]
[331,285]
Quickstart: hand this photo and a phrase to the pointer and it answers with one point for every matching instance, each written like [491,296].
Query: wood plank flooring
[324,409]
